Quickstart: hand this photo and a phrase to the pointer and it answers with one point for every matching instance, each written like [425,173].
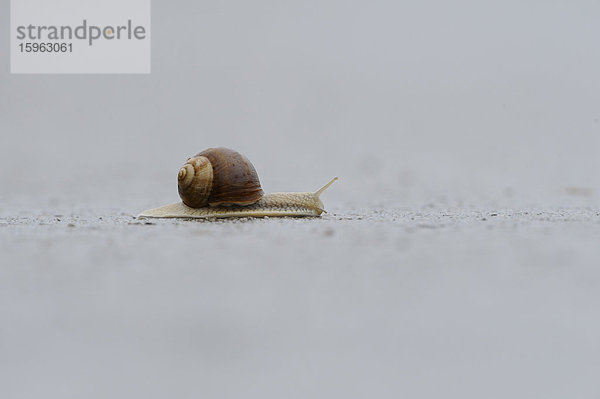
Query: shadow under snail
[221,183]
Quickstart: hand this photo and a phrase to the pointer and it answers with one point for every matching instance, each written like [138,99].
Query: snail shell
[220,183]
[218,176]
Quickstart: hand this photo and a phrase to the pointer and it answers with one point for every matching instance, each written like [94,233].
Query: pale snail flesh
[222,183]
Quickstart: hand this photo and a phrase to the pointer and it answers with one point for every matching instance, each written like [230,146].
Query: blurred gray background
[437,116]
[436,98]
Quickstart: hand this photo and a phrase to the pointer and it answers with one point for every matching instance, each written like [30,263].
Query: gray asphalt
[385,303]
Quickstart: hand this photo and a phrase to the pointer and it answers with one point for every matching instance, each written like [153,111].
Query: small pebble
[328,232]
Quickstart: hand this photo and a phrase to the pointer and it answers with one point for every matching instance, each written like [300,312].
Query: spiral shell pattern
[194,181]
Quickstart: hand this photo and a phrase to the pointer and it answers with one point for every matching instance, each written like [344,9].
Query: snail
[221,183]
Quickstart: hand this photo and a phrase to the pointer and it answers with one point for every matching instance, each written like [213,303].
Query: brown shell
[218,176]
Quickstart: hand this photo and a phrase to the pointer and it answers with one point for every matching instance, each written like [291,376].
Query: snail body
[221,183]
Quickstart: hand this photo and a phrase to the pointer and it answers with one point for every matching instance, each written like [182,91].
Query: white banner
[80,36]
